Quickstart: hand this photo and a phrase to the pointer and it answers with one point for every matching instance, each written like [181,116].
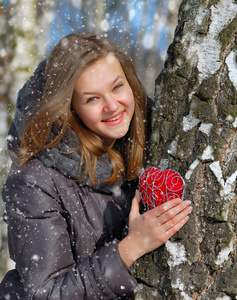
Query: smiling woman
[74,59]
[103,100]
[78,143]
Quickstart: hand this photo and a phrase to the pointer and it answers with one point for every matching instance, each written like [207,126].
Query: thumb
[135,206]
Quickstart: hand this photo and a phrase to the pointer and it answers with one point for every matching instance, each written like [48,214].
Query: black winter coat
[63,235]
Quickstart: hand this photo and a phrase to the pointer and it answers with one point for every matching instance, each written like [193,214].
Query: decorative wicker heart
[157,186]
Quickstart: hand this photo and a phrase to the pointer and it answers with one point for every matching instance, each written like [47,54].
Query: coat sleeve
[39,243]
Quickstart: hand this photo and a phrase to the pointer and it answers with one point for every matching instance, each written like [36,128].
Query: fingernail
[190,208]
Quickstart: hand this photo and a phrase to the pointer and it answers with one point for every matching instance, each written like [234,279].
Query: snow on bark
[177,253]
[189,122]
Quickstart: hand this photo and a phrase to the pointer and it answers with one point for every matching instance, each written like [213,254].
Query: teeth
[114,119]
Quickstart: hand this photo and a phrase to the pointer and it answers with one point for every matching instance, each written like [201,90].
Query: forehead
[103,71]
[108,63]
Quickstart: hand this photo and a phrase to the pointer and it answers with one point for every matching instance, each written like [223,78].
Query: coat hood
[58,157]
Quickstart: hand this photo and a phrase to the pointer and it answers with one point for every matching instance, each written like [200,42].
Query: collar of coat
[68,163]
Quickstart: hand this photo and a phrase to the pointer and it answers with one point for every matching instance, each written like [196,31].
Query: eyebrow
[113,82]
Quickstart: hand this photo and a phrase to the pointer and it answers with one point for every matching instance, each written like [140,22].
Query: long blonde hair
[69,58]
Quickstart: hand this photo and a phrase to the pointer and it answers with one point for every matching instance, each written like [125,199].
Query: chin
[122,134]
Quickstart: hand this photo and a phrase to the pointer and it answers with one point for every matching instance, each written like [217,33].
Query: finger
[163,208]
[174,215]
[135,206]
[173,211]
[177,227]
[176,218]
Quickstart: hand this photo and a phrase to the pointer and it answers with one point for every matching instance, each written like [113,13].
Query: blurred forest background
[29,29]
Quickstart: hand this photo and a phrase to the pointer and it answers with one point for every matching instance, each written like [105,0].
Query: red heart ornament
[157,186]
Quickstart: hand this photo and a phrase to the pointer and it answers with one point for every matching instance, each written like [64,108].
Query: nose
[110,104]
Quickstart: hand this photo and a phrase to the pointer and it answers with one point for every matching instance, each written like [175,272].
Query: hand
[153,228]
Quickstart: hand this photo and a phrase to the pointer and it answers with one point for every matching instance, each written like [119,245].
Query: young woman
[78,144]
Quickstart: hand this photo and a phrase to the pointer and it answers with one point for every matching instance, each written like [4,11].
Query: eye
[117,86]
[91,99]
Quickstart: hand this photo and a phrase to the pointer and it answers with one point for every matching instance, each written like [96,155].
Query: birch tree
[4,87]
[94,15]
[194,132]
[19,56]
[45,12]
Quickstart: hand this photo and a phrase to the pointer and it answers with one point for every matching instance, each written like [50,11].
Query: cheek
[133,105]
[88,116]
[132,102]
[128,99]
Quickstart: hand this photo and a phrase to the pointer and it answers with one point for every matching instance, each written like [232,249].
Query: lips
[116,118]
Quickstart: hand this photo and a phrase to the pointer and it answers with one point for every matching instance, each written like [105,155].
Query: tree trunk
[45,18]
[94,16]
[18,59]
[194,132]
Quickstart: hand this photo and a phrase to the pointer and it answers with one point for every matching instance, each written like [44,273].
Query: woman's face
[103,99]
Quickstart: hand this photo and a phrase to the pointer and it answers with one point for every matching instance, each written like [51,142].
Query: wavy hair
[69,58]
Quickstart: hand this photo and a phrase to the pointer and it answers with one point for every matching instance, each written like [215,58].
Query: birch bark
[194,132]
